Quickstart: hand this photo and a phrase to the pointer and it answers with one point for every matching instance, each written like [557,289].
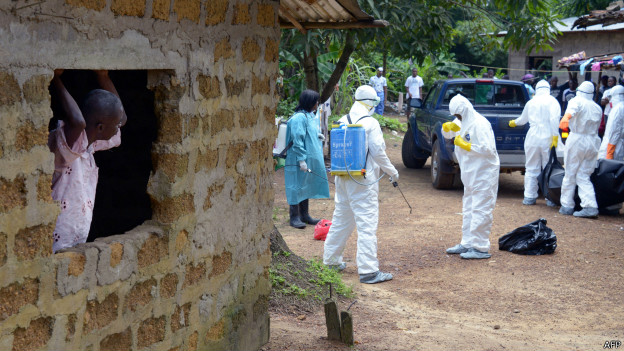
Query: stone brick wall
[196,275]
[592,42]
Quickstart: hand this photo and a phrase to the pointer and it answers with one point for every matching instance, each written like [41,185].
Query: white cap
[380,69]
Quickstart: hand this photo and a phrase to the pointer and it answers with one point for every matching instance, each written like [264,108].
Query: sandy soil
[571,300]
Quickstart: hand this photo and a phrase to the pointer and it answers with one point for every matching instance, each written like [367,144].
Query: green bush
[286,108]
[390,123]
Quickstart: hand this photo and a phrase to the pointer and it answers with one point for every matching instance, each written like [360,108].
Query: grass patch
[301,286]
[325,276]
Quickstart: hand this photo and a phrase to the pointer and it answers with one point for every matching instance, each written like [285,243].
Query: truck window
[508,95]
[430,95]
[486,94]
[465,89]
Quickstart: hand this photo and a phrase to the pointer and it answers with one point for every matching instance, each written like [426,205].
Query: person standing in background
[304,175]
[612,146]
[569,93]
[379,83]
[413,88]
[606,104]
[527,79]
[603,82]
[491,74]
[542,113]
[581,120]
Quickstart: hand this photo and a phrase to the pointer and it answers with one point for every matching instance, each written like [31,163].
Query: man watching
[379,83]
[413,87]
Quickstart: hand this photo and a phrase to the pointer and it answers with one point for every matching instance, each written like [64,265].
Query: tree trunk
[277,242]
[310,68]
[349,47]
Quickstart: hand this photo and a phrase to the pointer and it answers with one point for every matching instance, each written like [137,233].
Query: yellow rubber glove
[512,123]
[459,141]
[448,126]
[555,140]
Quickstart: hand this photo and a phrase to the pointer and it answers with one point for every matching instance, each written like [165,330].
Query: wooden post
[400,103]
[332,320]
[346,327]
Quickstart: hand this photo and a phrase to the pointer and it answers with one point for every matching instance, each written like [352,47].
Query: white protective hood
[585,90]
[614,131]
[477,130]
[617,94]
[542,88]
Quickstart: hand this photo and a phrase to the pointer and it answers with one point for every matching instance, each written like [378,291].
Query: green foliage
[529,24]
[283,253]
[384,122]
[318,278]
[356,74]
[286,107]
[390,123]
[422,31]
[417,28]
[276,279]
[436,68]
[470,47]
[325,276]
[577,8]
[280,284]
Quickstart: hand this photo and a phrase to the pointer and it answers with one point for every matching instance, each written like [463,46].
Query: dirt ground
[570,300]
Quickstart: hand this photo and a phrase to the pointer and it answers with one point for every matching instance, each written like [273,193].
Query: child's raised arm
[107,84]
[74,121]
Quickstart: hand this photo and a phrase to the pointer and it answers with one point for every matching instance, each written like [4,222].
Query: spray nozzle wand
[394,183]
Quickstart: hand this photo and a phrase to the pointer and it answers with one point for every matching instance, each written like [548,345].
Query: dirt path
[571,300]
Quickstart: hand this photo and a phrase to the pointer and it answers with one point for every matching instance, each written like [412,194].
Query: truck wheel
[408,150]
[457,182]
[439,180]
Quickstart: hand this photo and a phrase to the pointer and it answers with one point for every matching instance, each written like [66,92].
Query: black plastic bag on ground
[534,238]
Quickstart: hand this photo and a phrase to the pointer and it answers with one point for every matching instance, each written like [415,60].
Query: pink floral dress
[74,183]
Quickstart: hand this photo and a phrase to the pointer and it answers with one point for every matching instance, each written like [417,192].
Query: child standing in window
[81,132]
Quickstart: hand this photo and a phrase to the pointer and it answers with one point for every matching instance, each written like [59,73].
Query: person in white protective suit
[475,148]
[357,205]
[582,119]
[612,147]
[543,113]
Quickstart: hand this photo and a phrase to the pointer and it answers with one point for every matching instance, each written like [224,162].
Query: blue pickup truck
[497,100]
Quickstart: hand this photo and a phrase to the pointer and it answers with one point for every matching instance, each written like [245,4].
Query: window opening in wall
[121,201]
[540,63]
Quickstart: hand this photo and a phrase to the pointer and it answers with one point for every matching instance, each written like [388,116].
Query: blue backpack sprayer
[349,155]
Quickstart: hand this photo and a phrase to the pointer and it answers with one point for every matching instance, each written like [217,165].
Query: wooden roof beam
[338,25]
[286,12]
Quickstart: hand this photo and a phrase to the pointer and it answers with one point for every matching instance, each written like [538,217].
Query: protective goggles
[374,102]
